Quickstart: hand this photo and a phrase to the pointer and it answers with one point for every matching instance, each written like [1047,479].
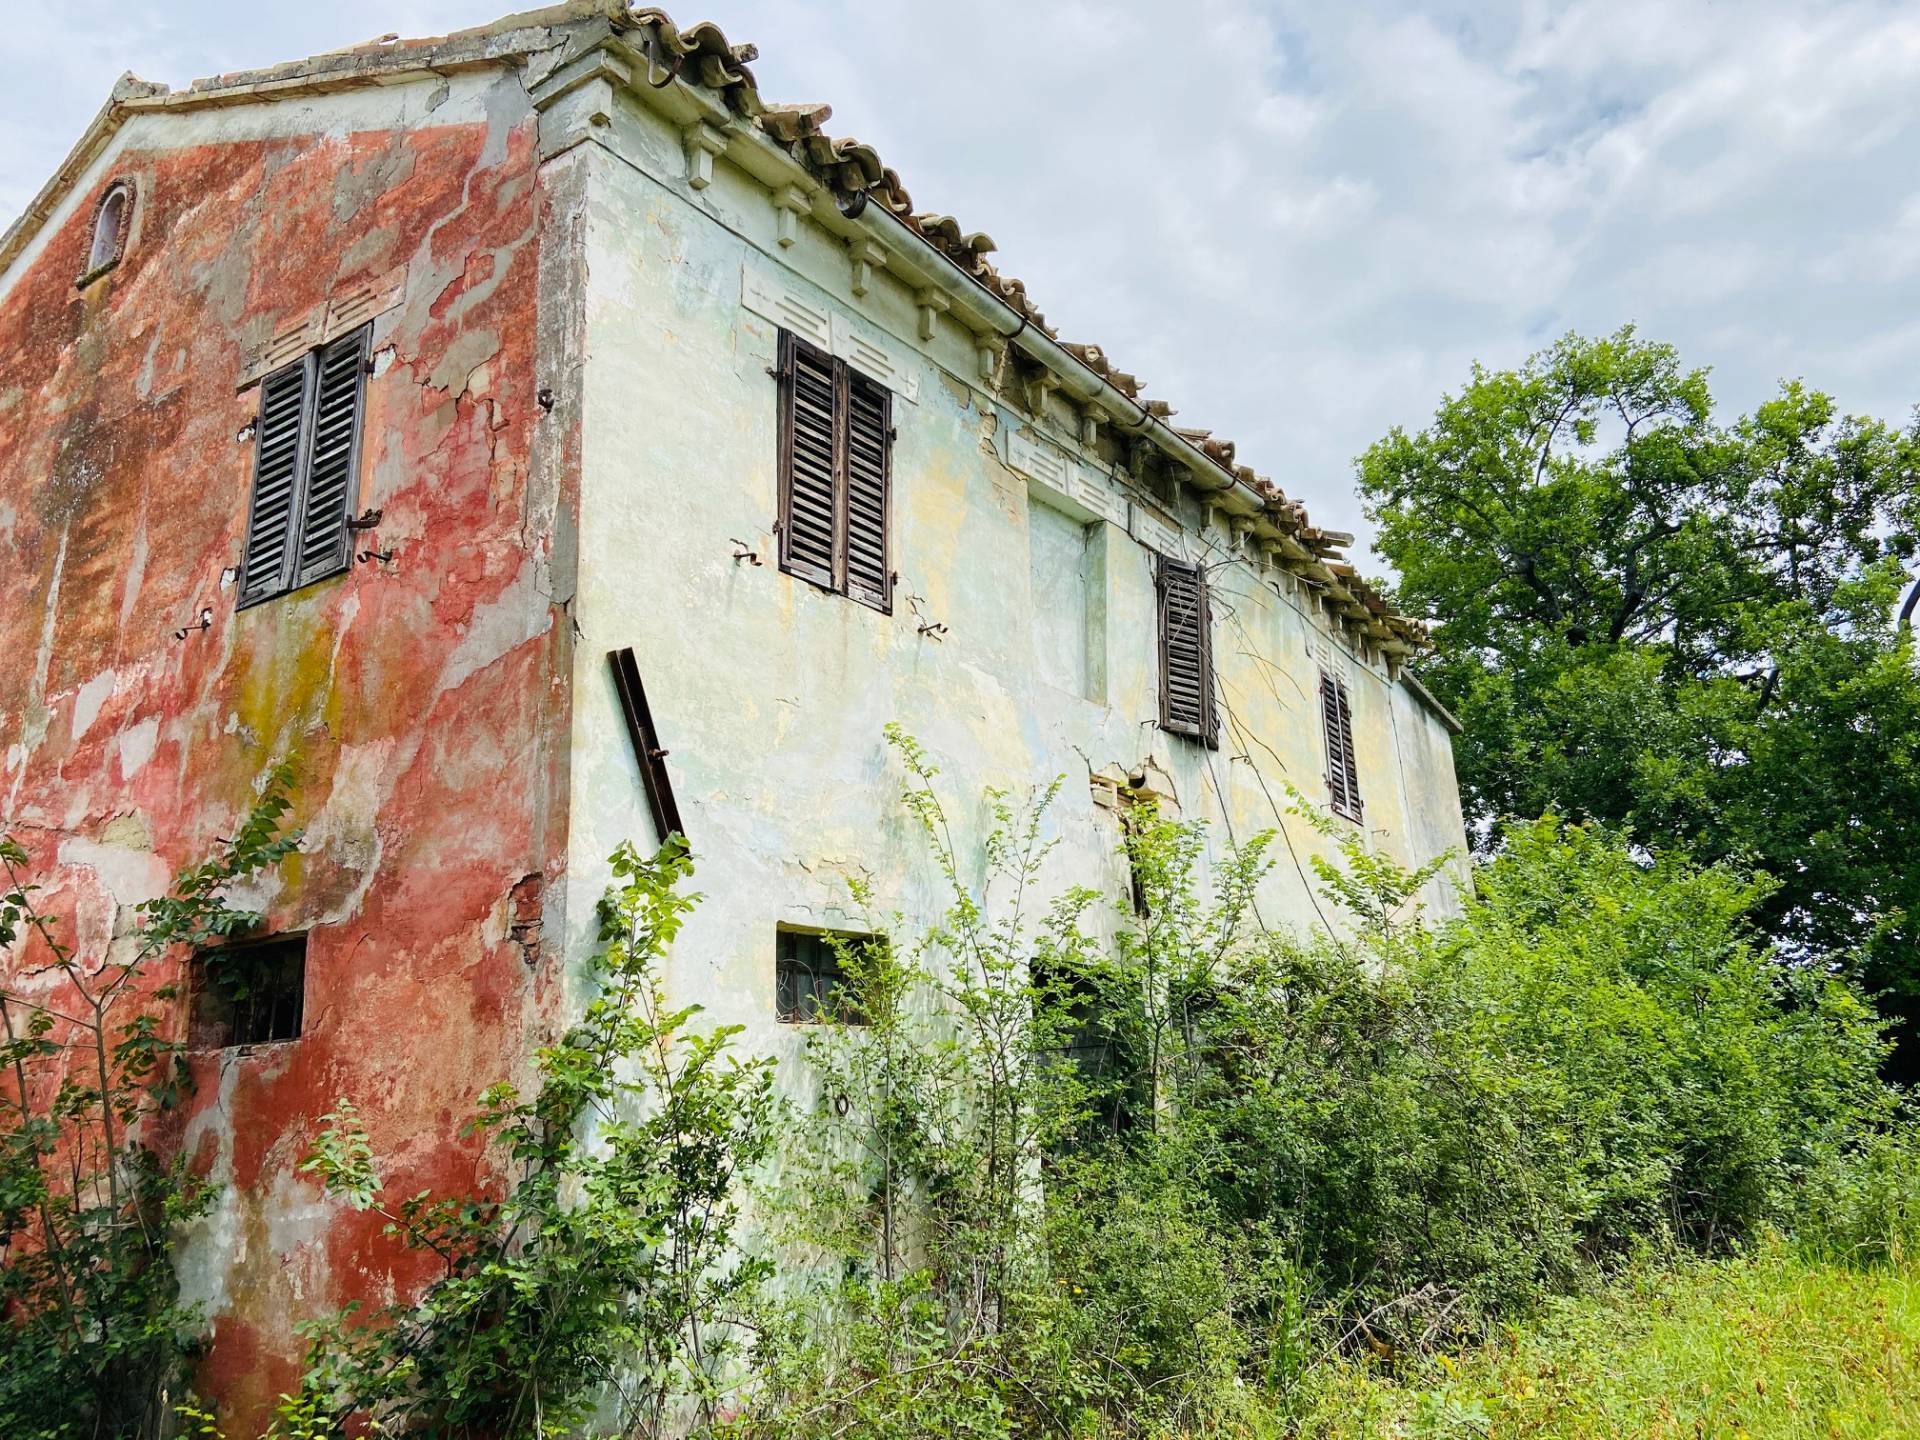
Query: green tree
[607,1281]
[91,1062]
[1678,626]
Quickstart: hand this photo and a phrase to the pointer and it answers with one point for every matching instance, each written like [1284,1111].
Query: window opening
[112,218]
[811,983]
[249,994]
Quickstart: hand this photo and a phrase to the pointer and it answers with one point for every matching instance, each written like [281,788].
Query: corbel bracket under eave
[790,204]
[1039,386]
[932,305]
[865,255]
[987,351]
[576,102]
[703,143]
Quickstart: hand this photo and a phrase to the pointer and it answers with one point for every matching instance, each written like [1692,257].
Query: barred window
[250,993]
[810,979]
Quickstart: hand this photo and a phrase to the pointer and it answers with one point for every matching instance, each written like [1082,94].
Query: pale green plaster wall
[771,694]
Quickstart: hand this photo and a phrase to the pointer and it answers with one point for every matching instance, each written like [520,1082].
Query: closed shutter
[271,516]
[305,467]
[836,466]
[1186,652]
[807,461]
[1343,774]
[340,386]
[869,441]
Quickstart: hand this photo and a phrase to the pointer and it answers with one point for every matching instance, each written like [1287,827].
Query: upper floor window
[836,463]
[112,219]
[1336,722]
[306,466]
[1187,703]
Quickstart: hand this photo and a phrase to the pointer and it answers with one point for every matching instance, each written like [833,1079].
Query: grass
[1769,1348]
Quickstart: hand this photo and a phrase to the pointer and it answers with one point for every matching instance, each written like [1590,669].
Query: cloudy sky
[1299,222]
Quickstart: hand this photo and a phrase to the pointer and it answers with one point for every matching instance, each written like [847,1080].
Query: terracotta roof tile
[856,174]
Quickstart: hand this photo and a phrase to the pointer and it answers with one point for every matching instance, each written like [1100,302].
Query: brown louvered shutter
[1186,652]
[1336,720]
[869,446]
[272,516]
[339,393]
[807,462]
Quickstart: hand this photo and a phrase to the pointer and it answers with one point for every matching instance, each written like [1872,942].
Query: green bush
[1861,1204]
[1251,1151]
[92,1068]
[1597,1057]
[606,1282]
[1152,1174]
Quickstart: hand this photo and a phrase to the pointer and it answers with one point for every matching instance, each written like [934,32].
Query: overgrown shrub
[1860,1204]
[605,1282]
[91,1051]
[1127,1174]
[1445,1123]
[1239,1151]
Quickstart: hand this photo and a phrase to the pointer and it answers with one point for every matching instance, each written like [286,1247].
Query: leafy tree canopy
[1678,625]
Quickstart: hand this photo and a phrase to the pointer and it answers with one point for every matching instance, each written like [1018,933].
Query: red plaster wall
[420,696]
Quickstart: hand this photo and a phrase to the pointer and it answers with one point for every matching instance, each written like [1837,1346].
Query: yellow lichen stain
[128,832]
[283,670]
[246,1284]
[283,693]
[938,524]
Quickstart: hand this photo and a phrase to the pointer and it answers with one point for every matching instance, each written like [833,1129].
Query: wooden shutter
[1186,652]
[1336,720]
[279,436]
[306,460]
[808,453]
[332,456]
[836,464]
[869,453]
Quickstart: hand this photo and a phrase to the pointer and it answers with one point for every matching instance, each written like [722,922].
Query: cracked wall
[421,695]
[541,508]
[1022,682]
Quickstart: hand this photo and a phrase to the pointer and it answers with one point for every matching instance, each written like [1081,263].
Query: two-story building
[550,442]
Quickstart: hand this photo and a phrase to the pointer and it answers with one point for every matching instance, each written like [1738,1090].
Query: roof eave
[1427,698]
[100,130]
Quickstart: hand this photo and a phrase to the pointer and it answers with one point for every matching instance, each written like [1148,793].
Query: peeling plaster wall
[771,694]
[425,698]
[570,423]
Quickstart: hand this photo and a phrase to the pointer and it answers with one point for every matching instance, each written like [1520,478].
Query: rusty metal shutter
[332,456]
[1186,652]
[868,450]
[646,744]
[808,462]
[279,432]
[1336,721]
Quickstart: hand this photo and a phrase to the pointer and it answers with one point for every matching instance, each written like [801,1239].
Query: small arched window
[112,218]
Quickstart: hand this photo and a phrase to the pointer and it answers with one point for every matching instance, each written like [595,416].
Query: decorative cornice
[702,85]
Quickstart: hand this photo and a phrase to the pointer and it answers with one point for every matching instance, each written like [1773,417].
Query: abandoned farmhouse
[548,441]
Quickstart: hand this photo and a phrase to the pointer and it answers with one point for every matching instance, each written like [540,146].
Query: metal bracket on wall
[646,743]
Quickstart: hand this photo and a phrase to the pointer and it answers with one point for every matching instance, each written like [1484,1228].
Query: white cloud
[1301,222]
